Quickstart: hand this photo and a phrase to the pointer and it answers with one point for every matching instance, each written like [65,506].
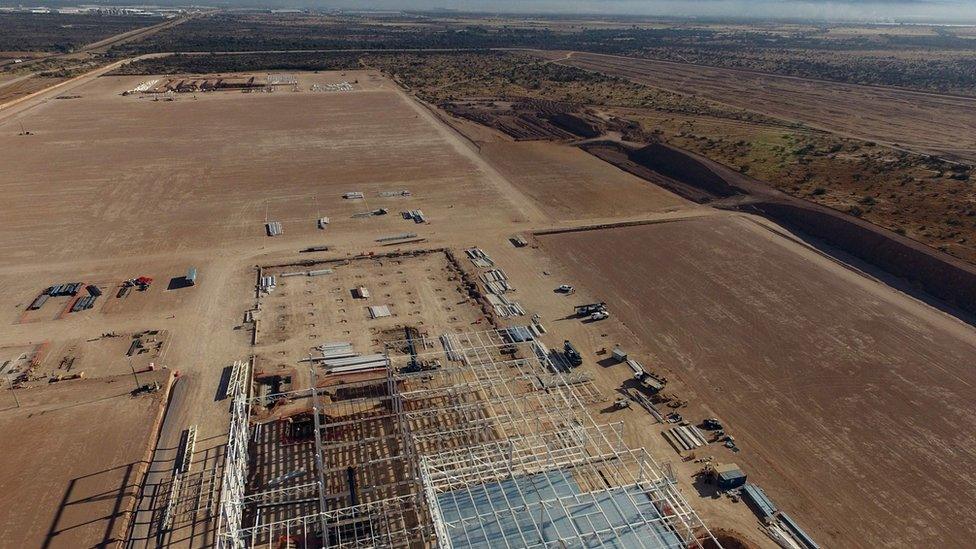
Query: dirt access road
[929,123]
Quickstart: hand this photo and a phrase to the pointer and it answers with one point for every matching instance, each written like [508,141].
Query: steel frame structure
[395,459]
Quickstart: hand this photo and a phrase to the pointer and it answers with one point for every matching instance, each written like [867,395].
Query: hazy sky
[874,10]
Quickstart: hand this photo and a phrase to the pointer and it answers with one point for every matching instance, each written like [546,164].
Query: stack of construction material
[323,222]
[401,236]
[504,307]
[416,215]
[268,283]
[71,288]
[496,281]
[337,349]
[332,87]
[295,273]
[650,380]
[315,249]
[145,86]
[379,311]
[517,334]
[479,258]
[756,497]
[353,195]
[685,437]
[39,302]
[273,227]
[391,194]
[282,80]
[358,363]
[320,272]
[519,241]
[451,346]
[86,302]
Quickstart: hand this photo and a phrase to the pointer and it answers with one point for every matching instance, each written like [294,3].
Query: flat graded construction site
[217,166]
[571,184]
[853,400]
[76,453]
[923,122]
[846,398]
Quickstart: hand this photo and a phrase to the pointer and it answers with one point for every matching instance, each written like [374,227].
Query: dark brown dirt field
[700,179]
[852,403]
[71,478]
[923,122]
[20,88]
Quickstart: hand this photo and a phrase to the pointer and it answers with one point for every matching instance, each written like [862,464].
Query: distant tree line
[940,62]
[56,32]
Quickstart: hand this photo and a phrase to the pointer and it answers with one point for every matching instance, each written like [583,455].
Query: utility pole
[134,376]
[14,392]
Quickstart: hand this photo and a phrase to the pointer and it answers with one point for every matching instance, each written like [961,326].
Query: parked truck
[572,354]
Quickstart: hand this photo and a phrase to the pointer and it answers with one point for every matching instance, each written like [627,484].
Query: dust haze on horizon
[883,11]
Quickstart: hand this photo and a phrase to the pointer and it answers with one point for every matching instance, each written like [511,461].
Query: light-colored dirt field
[118,187]
[571,184]
[58,490]
[215,168]
[422,292]
[928,123]
[851,402]
[100,356]
[20,87]
[114,187]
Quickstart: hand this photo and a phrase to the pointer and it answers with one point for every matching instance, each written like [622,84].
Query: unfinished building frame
[469,440]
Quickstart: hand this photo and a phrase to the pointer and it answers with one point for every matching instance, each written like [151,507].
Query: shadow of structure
[83,504]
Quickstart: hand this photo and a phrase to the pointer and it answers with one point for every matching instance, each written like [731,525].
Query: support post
[318,455]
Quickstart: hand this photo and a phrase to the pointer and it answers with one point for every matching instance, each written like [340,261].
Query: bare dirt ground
[225,189]
[850,401]
[923,122]
[113,187]
[571,184]
[59,492]
[131,187]
[22,87]
[422,292]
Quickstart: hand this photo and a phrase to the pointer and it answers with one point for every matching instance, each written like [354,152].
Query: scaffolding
[474,441]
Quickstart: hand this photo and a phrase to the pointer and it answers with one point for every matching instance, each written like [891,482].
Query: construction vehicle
[621,403]
[572,355]
[711,424]
[649,380]
[148,388]
[590,308]
[142,283]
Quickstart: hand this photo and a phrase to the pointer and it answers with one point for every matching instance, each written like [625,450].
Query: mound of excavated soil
[677,164]
[667,167]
